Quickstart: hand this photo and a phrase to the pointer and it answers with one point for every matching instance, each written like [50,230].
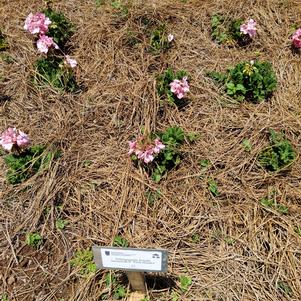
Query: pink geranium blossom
[296,38]
[71,62]
[44,43]
[13,137]
[37,23]
[249,28]
[144,150]
[170,38]
[179,87]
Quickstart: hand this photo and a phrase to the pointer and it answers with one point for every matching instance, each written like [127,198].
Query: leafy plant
[283,287]
[192,136]
[170,157]
[195,238]
[152,196]
[278,155]
[298,230]
[185,283]
[61,224]
[3,42]
[24,165]
[254,81]
[33,239]
[159,40]
[119,292]
[247,145]
[273,204]
[83,260]
[53,71]
[205,163]
[61,29]
[119,241]
[120,7]
[227,31]
[163,86]
[213,188]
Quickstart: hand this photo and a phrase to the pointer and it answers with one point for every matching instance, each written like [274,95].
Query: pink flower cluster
[249,28]
[179,87]
[13,137]
[146,153]
[296,38]
[38,23]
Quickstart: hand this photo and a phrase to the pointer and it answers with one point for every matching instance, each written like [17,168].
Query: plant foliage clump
[159,40]
[163,85]
[227,31]
[278,155]
[170,157]
[3,42]
[83,259]
[61,29]
[24,165]
[254,81]
[53,71]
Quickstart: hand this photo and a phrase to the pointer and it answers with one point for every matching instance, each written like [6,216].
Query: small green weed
[253,81]
[3,42]
[61,29]
[60,224]
[247,145]
[175,296]
[284,288]
[24,165]
[229,241]
[119,292]
[83,260]
[34,240]
[159,40]
[192,137]
[279,154]
[227,31]
[213,188]
[298,230]
[121,9]
[170,157]
[163,86]
[205,163]
[53,71]
[152,196]
[185,283]
[119,241]
[4,297]
[274,205]
[195,238]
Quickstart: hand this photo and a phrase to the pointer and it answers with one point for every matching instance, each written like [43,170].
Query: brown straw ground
[244,251]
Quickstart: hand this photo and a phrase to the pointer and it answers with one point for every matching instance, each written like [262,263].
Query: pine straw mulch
[245,252]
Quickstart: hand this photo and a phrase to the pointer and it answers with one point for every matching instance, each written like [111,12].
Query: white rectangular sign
[130,259]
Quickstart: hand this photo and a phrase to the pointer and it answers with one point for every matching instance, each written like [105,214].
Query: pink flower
[22,140]
[179,87]
[132,145]
[71,62]
[37,23]
[296,38]
[44,43]
[158,146]
[170,37]
[249,28]
[146,156]
[12,137]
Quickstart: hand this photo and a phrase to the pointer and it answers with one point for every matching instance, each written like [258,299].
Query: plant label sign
[130,259]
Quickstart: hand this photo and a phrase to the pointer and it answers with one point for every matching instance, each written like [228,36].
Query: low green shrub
[24,165]
[159,39]
[83,260]
[61,29]
[34,240]
[163,85]
[254,81]
[53,70]
[279,154]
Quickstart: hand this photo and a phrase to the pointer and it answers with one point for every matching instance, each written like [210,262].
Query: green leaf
[119,241]
[213,188]
[61,224]
[247,145]
[185,283]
